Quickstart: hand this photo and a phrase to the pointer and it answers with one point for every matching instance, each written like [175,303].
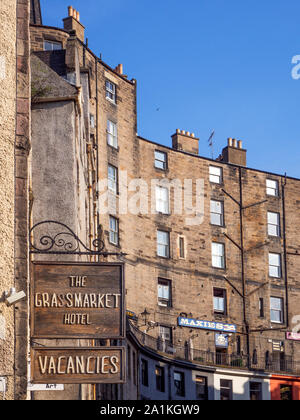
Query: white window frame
[110,91]
[214,213]
[113,230]
[112,134]
[162,199]
[278,309]
[165,333]
[228,387]
[215,174]
[220,305]
[217,258]
[163,244]
[160,163]
[275,270]
[112,178]
[272,187]
[53,44]
[273,228]
[164,292]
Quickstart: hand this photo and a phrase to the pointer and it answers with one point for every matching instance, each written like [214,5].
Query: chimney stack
[119,69]
[72,23]
[185,141]
[234,153]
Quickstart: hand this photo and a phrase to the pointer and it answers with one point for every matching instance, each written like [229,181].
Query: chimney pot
[120,68]
[72,23]
[234,153]
[186,141]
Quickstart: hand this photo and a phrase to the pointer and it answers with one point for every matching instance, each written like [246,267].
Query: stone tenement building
[212,251]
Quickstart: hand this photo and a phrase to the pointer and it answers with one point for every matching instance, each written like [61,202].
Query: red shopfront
[285,387]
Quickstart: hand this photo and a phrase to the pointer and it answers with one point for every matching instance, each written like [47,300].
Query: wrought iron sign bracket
[65,242]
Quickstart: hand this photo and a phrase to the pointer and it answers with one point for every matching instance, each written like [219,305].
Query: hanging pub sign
[77,300]
[221,340]
[293,336]
[84,365]
[206,325]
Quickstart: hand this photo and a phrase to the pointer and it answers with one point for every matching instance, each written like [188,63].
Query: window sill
[165,258]
[111,101]
[220,314]
[169,306]
[161,170]
[113,147]
[272,195]
[115,245]
[114,193]
[221,184]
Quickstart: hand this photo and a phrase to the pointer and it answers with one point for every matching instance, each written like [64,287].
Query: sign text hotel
[77,300]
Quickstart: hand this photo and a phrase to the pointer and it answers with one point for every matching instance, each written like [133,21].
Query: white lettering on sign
[77,300]
[78,365]
[210,325]
[71,319]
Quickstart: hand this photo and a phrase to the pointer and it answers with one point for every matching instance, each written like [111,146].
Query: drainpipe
[97,148]
[285,252]
[243,266]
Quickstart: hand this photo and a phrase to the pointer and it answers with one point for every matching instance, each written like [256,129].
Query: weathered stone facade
[245,276]
[15,146]
[78,103]
[7,141]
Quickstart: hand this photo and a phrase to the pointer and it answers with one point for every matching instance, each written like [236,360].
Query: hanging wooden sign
[84,365]
[77,300]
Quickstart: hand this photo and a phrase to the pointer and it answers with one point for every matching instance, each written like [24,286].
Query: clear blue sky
[204,65]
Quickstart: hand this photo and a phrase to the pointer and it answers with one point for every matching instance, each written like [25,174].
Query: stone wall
[22,149]
[193,277]
[7,140]
[14,148]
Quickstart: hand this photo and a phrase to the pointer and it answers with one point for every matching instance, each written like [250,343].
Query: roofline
[132,82]
[216,161]
[36,25]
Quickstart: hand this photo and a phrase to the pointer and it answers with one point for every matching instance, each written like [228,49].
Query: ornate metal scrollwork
[63,242]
